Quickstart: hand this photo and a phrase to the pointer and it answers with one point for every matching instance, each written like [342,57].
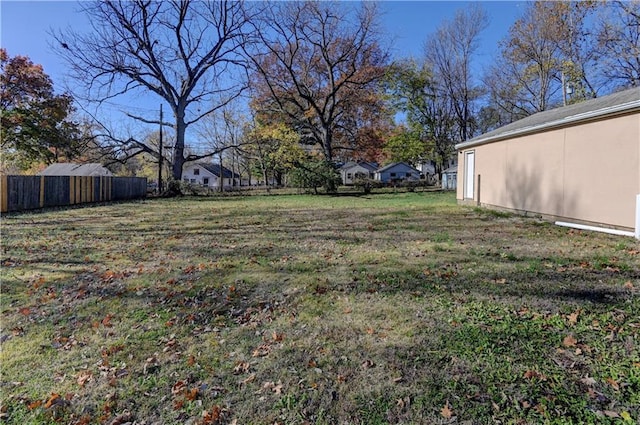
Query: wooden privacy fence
[18,193]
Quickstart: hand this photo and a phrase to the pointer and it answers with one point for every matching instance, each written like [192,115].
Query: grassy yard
[394,308]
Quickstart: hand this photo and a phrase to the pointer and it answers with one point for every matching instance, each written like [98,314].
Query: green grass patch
[385,308]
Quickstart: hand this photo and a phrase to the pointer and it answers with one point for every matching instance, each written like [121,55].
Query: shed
[355,170]
[70,169]
[578,164]
[397,171]
[450,178]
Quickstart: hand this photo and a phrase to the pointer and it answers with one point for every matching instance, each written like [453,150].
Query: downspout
[637,235]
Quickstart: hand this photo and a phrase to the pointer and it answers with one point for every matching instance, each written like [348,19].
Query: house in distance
[210,175]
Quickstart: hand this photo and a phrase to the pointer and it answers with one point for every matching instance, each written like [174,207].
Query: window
[196,171]
[393,174]
[193,180]
[205,181]
[408,174]
[349,175]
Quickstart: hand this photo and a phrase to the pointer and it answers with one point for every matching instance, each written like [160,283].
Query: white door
[469,174]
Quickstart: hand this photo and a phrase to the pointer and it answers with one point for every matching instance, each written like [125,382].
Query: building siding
[588,172]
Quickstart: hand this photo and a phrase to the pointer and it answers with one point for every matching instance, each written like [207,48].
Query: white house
[356,170]
[207,174]
[397,171]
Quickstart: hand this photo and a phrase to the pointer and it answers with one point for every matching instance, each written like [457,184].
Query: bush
[314,174]
[366,184]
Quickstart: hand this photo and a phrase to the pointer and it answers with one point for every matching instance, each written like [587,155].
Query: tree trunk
[178,150]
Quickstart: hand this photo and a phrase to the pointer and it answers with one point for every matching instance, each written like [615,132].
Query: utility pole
[160,155]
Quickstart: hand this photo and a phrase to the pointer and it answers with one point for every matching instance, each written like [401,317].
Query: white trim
[595,228]
[469,189]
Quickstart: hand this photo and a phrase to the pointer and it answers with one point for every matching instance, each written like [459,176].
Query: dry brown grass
[396,308]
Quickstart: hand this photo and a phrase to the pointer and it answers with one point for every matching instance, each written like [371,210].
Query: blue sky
[24,26]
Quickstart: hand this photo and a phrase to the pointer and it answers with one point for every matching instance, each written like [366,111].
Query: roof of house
[215,170]
[395,164]
[351,164]
[614,104]
[69,169]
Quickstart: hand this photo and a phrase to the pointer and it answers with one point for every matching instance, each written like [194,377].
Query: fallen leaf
[588,381]
[84,377]
[446,411]
[192,394]
[614,384]
[178,387]
[611,414]
[213,416]
[35,404]
[569,341]
[241,367]
[106,322]
[573,317]
[278,388]
[368,364]
[628,285]
[52,400]
[530,374]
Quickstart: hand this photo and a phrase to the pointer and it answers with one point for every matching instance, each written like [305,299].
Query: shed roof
[70,169]
[396,164]
[369,166]
[215,170]
[614,104]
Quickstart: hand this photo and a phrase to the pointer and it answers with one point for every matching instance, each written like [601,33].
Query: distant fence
[18,193]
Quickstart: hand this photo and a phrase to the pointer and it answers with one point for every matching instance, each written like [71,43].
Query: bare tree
[222,131]
[187,53]
[524,78]
[449,52]
[319,60]
[619,42]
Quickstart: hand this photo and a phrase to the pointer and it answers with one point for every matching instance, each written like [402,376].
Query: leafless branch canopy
[187,52]
[316,57]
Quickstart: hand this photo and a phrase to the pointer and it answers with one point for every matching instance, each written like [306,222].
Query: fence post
[41,191]
[4,194]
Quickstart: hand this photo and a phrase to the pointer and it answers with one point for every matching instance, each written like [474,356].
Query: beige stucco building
[578,164]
